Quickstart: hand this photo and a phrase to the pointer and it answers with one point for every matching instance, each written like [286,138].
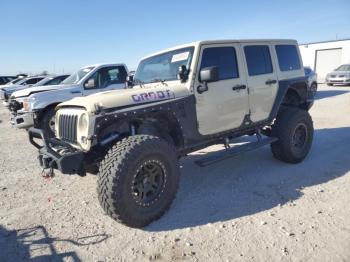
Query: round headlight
[83,122]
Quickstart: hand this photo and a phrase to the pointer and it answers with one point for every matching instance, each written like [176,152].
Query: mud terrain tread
[284,124]
[114,165]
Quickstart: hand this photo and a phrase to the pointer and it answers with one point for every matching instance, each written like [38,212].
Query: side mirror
[130,81]
[183,73]
[90,83]
[209,74]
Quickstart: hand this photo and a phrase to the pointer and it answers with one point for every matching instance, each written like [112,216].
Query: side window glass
[33,81]
[258,59]
[224,58]
[288,58]
[108,76]
[115,76]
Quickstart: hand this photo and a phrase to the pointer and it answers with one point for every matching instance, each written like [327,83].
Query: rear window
[258,59]
[288,58]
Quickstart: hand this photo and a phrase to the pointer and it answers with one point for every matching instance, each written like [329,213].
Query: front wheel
[138,180]
[294,129]
[47,123]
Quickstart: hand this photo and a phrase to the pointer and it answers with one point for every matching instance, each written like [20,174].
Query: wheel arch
[43,111]
[162,124]
[297,87]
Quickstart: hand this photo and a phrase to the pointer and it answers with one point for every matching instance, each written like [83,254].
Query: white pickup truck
[35,106]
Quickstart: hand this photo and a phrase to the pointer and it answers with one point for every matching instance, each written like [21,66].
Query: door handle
[271,81]
[239,87]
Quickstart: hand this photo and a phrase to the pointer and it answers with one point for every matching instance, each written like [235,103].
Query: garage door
[326,61]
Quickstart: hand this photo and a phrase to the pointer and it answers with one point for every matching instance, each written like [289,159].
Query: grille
[14,106]
[333,76]
[67,128]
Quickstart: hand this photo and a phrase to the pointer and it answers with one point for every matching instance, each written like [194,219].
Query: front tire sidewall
[118,169]
[129,204]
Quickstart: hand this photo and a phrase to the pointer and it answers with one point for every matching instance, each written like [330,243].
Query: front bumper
[338,80]
[2,94]
[69,162]
[24,120]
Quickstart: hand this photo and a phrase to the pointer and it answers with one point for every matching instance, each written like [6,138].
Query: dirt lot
[249,208]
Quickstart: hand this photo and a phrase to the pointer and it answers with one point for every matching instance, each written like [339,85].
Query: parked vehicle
[50,81]
[312,79]
[46,81]
[12,82]
[181,100]
[7,90]
[341,75]
[21,75]
[36,106]
[6,79]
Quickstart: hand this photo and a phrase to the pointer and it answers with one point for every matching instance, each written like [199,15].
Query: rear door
[223,106]
[261,79]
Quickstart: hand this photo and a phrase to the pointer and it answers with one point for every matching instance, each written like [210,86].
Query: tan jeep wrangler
[181,100]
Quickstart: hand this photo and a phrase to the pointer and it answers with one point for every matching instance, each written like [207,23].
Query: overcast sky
[61,36]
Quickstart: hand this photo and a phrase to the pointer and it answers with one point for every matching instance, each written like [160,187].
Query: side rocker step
[233,151]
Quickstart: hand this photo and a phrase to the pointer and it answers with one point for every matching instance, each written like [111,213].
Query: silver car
[311,78]
[341,75]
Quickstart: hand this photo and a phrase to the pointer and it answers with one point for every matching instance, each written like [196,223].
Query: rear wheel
[138,180]
[294,129]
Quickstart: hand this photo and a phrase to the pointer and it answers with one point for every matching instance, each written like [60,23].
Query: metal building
[324,57]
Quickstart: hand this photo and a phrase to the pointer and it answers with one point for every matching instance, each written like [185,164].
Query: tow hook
[47,173]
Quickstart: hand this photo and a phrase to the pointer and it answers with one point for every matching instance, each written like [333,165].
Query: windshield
[22,81]
[163,67]
[77,76]
[343,68]
[15,81]
[43,81]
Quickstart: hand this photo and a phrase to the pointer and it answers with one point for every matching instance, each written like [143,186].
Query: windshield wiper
[159,80]
[138,82]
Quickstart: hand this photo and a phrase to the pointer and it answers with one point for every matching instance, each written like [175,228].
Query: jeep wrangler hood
[38,89]
[127,97]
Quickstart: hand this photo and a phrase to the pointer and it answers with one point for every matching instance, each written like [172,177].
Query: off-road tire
[45,122]
[118,172]
[289,124]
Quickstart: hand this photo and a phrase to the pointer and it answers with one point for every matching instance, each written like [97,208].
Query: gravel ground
[248,208]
